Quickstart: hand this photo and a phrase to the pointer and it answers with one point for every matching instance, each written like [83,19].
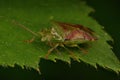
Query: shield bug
[63,35]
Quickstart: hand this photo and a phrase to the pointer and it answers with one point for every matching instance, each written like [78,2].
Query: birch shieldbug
[64,35]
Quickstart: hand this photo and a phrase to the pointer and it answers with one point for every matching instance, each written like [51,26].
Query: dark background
[107,14]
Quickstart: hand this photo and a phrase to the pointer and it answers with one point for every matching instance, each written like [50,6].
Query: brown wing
[88,30]
[67,26]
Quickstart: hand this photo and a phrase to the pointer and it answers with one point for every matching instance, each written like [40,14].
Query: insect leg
[55,48]
[30,41]
[50,50]
[82,49]
[58,52]
[71,53]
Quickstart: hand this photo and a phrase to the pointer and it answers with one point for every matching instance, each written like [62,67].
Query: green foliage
[36,15]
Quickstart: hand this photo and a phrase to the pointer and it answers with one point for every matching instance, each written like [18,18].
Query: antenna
[24,27]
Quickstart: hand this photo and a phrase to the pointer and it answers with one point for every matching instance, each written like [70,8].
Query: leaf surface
[36,15]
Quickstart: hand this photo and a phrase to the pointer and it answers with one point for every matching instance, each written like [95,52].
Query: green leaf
[36,15]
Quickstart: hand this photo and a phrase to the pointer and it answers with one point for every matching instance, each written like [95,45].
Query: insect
[63,35]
